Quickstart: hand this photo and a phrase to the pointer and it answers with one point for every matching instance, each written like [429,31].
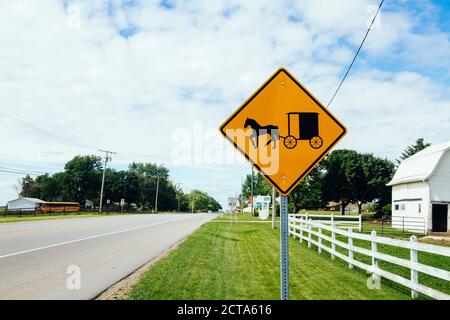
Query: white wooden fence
[305,229]
[331,219]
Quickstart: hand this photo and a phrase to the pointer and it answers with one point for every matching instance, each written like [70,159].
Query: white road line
[88,238]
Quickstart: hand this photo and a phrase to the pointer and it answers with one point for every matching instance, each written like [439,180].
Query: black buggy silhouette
[308,128]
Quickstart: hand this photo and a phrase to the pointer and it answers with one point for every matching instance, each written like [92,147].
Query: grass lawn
[241,261]
[245,216]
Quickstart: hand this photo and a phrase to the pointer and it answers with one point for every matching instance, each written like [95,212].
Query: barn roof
[35,200]
[421,166]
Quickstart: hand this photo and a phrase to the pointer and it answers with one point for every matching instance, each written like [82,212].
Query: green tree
[82,179]
[336,184]
[200,201]
[29,187]
[121,185]
[260,186]
[50,186]
[368,176]
[419,145]
[308,194]
[147,174]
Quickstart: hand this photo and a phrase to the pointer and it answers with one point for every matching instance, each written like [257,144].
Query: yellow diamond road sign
[283,130]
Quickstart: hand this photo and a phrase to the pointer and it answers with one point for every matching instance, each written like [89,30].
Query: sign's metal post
[284,250]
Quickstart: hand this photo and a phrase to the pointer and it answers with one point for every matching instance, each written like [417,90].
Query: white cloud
[198,63]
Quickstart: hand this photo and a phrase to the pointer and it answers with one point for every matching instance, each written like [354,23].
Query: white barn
[421,190]
[24,204]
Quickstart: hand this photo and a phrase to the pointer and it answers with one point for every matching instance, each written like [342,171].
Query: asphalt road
[35,257]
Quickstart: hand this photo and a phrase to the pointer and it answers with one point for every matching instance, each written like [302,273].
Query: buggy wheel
[290,142]
[316,142]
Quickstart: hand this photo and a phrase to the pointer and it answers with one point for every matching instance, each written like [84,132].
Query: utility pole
[252,190]
[274,206]
[157,190]
[179,186]
[107,158]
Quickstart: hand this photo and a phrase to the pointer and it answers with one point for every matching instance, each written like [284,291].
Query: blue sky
[150,78]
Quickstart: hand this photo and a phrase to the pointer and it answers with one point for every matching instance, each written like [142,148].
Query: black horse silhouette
[259,130]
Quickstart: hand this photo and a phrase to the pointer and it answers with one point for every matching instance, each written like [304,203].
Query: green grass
[6,219]
[241,261]
[245,216]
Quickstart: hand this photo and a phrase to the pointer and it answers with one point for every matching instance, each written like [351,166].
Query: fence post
[360,223]
[292,224]
[295,223]
[301,229]
[309,233]
[374,252]
[333,237]
[403,230]
[414,273]
[350,248]
[319,247]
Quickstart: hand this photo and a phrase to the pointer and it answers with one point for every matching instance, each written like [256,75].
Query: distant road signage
[283,130]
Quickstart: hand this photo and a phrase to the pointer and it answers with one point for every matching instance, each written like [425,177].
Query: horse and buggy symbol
[307,128]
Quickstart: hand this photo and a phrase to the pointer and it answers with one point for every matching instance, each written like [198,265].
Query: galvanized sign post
[284,248]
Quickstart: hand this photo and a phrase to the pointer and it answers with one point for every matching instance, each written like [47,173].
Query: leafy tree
[358,178]
[121,185]
[29,187]
[336,185]
[44,187]
[147,174]
[82,179]
[419,145]
[308,193]
[260,186]
[200,201]
[368,175]
[50,186]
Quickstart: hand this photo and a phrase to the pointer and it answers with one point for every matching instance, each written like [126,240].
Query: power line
[20,171]
[357,53]
[44,133]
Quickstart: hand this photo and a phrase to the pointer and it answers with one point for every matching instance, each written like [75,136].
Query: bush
[387,209]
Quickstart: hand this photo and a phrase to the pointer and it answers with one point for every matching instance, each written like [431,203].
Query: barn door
[439,217]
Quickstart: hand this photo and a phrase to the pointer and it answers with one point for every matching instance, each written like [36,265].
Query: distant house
[25,204]
[421,189]
[335,206]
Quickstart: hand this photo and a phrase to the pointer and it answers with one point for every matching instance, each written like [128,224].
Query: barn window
[396,207]
[402,207]
[420,207]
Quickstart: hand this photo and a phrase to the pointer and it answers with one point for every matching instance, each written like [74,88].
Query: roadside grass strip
[6,219]
[241,261]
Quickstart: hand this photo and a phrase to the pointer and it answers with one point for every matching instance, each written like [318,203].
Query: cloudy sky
[153,80]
